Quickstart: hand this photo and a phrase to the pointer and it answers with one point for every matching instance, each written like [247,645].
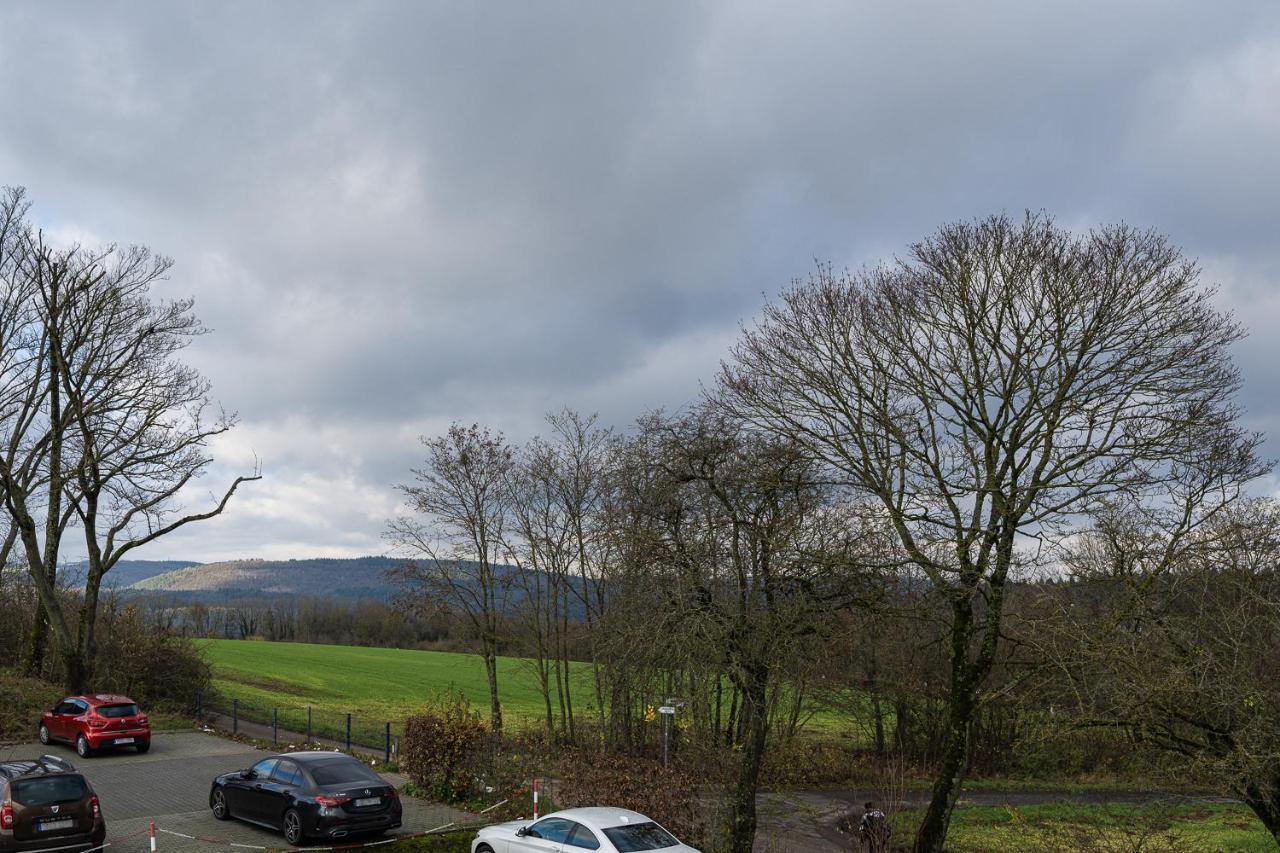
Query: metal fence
[290,724]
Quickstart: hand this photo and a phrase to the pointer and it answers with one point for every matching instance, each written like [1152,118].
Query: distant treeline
[303,620]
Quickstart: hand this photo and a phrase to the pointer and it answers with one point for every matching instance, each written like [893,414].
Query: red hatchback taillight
[6,816]
[93,807]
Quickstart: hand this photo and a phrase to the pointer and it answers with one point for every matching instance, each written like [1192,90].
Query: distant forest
[319,600]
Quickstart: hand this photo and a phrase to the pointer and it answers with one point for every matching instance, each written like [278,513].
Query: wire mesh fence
[351,732]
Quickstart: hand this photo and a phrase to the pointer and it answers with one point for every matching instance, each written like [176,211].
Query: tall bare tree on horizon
[463,501]
[987,390]
[103,425]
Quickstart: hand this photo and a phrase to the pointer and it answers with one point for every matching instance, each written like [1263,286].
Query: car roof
[45,765]
[313,755]
[97,699]
[600,817]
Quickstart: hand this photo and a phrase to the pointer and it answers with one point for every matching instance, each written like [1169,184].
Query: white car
[603,830]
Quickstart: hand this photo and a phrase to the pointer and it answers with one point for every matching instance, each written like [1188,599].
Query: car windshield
[49,789]
[640,836]
[118,710]
[339,772]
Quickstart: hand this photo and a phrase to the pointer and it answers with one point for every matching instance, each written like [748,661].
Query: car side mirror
[247,774]
[522,831]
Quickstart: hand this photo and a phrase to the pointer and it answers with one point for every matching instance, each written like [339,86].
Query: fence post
[388,750]
[537,783]
[235,716]
[308,724]
[275,725]
[348,732]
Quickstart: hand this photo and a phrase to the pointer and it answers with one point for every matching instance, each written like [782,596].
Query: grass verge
[1073,826]
[445,842]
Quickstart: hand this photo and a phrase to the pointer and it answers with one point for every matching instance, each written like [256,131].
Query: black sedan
[308,795]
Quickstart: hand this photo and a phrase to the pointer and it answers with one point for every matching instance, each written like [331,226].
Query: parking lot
[170,785]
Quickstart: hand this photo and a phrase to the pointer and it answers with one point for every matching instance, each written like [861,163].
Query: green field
[383,685]
[372,684]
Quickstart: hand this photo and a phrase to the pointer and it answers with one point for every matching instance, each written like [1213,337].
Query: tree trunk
[966,679]
[955,756]
[1266,805]
[879,723]
[570,731]
[742,799]
[544,677]
[731,725]
[491,671]
[80,662]
[37,641]
[715,726]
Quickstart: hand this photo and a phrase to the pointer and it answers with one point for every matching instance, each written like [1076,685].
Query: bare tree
[463,501]
[105,424]
[1000,380]
[585,455]
[751,550]
[30,409]
[539,541]
[1176,641]
[559,540]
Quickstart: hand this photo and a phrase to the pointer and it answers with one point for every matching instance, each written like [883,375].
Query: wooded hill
[358,578]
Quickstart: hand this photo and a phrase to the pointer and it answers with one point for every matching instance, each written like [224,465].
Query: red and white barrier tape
[336,847]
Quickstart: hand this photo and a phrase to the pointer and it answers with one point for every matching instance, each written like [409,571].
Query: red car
[99,721]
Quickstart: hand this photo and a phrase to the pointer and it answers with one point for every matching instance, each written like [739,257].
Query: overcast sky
[396,215]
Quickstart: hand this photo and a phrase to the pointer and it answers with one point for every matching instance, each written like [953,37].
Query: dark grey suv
[45,803]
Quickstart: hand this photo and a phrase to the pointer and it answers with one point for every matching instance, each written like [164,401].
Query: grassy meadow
[372,684]
[377,685]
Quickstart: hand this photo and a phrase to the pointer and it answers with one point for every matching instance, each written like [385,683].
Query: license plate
[60,823]
[368,801]
[124,740]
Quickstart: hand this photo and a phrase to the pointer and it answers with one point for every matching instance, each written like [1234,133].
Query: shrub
[669,796]
[807,762]
[138,653]
[148,663]
[442,745]
[21,702]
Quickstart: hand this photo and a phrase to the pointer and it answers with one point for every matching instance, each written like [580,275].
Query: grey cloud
[395,214]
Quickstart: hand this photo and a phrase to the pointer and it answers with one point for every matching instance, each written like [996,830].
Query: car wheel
[218,804]
[44,734]
[143,746]
[484,848]
[82,747]
[292,827]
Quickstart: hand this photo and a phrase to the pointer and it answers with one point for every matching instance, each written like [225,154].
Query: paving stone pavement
[170,785]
